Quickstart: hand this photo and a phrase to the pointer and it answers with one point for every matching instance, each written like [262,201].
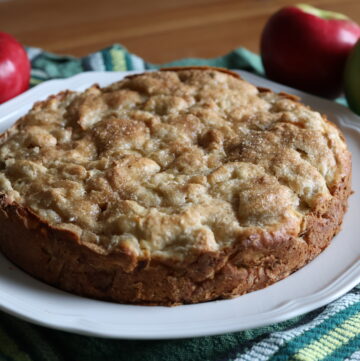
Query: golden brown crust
[222,70]
[57,257]
[272,195]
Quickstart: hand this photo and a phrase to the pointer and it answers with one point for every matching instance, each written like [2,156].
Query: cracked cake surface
[169,187]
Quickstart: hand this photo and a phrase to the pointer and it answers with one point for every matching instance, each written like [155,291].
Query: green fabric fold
[46,66]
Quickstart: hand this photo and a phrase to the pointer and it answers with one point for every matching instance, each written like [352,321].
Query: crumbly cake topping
[171,163]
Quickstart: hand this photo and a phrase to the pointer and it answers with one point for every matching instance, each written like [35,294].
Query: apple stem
[325,14]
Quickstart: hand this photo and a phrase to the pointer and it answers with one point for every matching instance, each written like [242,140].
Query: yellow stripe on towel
[328,343]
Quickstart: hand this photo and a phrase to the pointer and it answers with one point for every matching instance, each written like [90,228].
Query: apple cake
[177,186]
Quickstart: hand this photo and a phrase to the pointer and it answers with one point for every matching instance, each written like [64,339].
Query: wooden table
[158,30]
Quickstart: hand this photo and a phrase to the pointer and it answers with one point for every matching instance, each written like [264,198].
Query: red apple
[14,68]
[306,48]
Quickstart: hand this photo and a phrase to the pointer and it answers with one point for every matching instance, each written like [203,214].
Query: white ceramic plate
[329,276]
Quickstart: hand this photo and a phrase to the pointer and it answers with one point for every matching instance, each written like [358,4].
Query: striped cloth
[329,333]
[47,66]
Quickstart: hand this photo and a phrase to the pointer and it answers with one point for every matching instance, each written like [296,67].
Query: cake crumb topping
[173,162]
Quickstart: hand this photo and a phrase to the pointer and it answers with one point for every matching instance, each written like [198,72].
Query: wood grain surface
[158,30]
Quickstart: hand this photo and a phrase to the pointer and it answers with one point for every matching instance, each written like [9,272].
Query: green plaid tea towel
[47,66]
[328,333]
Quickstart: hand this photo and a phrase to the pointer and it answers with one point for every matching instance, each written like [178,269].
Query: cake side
[58,258]
[167,188]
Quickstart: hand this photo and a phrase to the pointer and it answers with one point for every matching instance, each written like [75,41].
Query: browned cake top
[172,163]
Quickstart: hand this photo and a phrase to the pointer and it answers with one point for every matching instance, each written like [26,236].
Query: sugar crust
[170,187]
